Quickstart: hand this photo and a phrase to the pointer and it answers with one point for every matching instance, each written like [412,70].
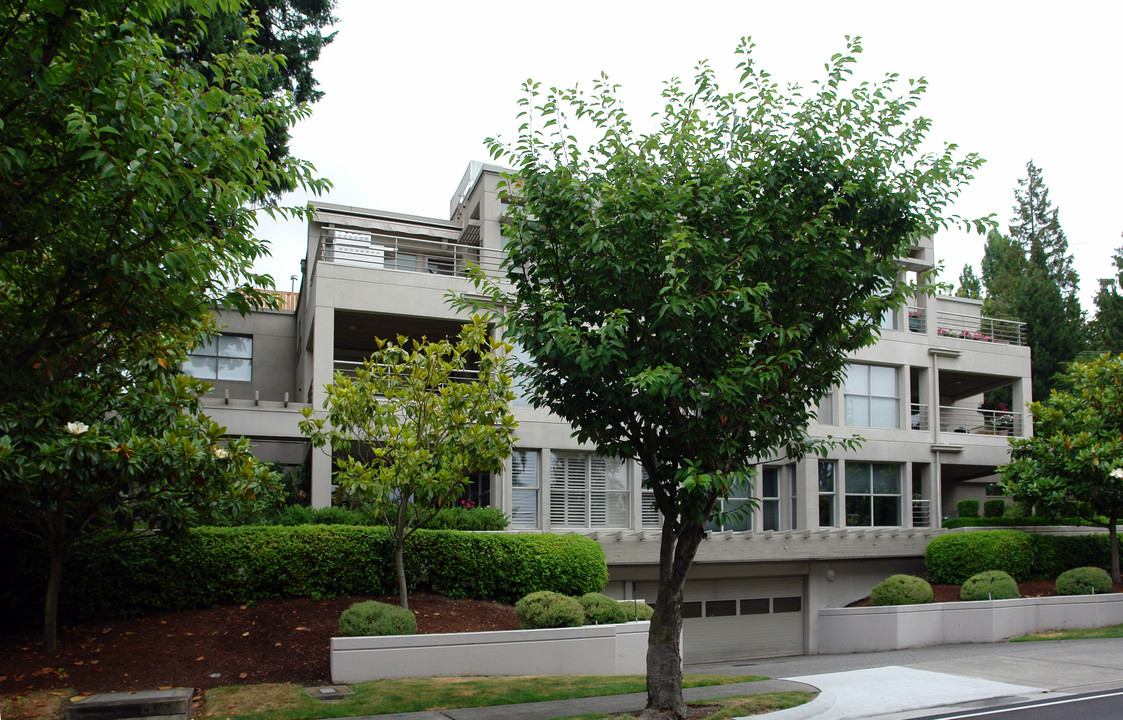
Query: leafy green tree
[969,284]
[1074,463]
[1004,262]
[687,295]
[413,423]
[126,178]
[1106,329]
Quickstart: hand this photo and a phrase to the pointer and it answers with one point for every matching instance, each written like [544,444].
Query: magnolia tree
[687,294]
[1074,463]
[412,423]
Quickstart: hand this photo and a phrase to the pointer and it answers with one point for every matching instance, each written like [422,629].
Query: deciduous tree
[412,423]
[687,294]
[1074,463]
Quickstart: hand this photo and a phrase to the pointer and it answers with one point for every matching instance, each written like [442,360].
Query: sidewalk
[887,685]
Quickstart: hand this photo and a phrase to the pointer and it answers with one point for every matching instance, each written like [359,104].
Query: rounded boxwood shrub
[1083,581]
[967,508]
[600,609]
[375,618]
[548,609]
[901,590]
[954,557]
[636,610]
[990,585]
[994,508]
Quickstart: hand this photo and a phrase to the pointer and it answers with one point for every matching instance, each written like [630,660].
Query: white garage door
[740,619]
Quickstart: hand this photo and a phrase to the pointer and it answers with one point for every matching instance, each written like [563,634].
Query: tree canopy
[687,294]
[412,423]
[1106,329]
[1074,463]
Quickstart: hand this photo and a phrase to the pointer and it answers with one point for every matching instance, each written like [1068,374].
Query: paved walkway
[887,686]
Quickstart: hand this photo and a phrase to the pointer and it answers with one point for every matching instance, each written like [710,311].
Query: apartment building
[824,530]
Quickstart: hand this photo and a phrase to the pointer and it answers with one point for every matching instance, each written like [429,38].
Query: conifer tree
[1106,330]
[969,284]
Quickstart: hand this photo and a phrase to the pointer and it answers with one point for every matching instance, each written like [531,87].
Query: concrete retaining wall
[592,650]
[868,629]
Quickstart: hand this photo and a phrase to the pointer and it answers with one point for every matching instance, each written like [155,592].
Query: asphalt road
[1091,706]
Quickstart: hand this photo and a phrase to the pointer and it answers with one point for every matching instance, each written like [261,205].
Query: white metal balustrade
[406,254]
[974,421]
[980,329]
[919,416]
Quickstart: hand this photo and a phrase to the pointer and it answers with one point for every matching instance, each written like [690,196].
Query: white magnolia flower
[76,428]
[1117,473]
[221,453]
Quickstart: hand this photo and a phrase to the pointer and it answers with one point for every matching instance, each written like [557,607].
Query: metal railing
[402,254]
[980,329]
[465,375]
[919,416]
[917,320]
[974,421]
[921,513]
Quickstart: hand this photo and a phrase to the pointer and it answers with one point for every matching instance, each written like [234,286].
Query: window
[588,491]
[521,388]
[872,397]
[795,497]
[650,516]
[873,494]
[524,489]
[738,498]
[223,357]
[825,414]
[827,469]
[770,498]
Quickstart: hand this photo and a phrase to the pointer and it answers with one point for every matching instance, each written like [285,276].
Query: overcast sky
[412,90]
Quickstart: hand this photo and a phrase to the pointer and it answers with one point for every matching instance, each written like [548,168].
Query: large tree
[126,178]
[412,423]
[1074,463]
[687,294]
[1105,331]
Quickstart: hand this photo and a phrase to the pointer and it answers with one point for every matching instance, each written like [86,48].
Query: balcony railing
[402,254]
[917,320]
[980,329]
[347,367]
[974,421]
[921,513]
[919,416]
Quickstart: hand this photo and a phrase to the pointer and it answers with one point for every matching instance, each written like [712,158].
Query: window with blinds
[588,491]
[524,489]
[649,514]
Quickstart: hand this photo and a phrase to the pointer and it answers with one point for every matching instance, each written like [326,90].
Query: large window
[650,517]
[223,357]
[524,489]
[738,498]
[770,498]
[873,494]
[872,397]
[588,491]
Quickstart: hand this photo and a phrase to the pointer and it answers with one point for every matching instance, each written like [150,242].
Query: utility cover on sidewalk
[328,692]
[168,704]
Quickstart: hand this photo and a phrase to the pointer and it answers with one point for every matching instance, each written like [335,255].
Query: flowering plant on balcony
[997,415]
[964,335]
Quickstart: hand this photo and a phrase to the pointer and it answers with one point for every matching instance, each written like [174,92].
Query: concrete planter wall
[867,629]
[592,650]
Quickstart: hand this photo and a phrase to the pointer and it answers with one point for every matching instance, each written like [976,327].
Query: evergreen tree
[1106,330]
[969,284]
[1036,227]
[1003,263]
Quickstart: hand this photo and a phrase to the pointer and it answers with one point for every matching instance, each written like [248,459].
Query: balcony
[919,416]
[465,375]
[980,329]
[406,254]
[973,421]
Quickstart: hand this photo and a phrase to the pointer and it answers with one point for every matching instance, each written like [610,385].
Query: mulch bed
[269,641]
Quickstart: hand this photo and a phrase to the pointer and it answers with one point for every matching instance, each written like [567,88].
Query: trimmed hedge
[994,508]
[636,610]
[901,590]
[1054,554]
[453,518]
[1012,521]
[216,566]
[989,585]
[374,618]
[600,609]
[1083,581]
[955,557]
[546,609]
[967,508]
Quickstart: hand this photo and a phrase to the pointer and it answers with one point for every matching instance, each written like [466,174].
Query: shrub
[989,585]
[967,508]
[636,610]
[375,618]
[1008,520]
[954,557]
[546,609]
[1054,554]
[467,519]
[1083,581]
[601,609]
[901,590]
[994,508]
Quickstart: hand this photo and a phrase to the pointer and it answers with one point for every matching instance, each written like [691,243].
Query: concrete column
[1021,397]
[321,477]
[323,363]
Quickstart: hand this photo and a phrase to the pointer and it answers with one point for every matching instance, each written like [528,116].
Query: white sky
[412,90]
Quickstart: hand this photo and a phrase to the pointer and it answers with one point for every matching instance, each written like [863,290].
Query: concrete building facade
[824,530]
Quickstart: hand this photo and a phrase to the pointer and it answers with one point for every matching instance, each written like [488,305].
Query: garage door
[740,619]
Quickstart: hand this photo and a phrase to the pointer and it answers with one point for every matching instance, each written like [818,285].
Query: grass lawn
[1111,631]
[289,702]
[729,707]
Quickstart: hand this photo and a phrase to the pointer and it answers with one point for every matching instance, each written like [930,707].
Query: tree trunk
[399,559]
[664,653]
[50,604]
[1113,542]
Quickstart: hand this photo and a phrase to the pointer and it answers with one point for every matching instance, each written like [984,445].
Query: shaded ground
[1030,588]
[270,641]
